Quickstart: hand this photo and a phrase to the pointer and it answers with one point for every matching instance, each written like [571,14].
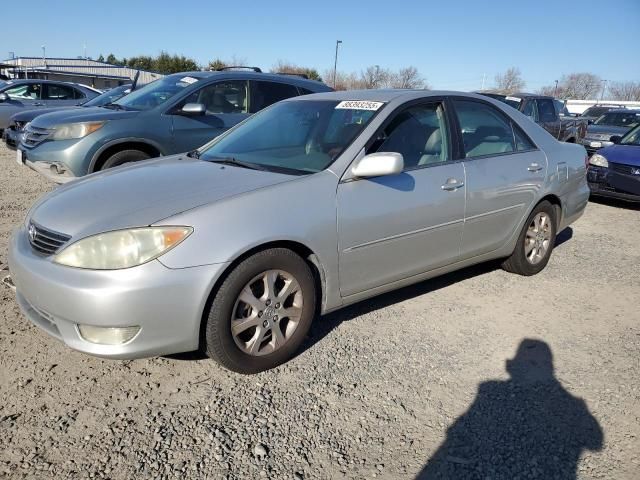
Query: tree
[408,77]
[510,81]
[100,58]
[575,86]
[629,91]
[287,67]
[111,58]
[217,64]
[375,77]
[165,63]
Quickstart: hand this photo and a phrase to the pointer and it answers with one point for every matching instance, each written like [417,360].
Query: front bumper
[167,304]
[52,171]
[607,182]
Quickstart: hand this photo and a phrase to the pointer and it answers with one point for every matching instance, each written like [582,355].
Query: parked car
[175,114]
[615,170]
[549,113]
[312,204]
[12,135]
[17,95]
[593,113]
[612,123]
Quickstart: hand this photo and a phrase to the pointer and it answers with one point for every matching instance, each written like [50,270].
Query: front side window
[419,133]
[268,93]
[58,92]
[295,137]
[156,93]
[619,119]
[546,110]
[222,97]
[78,94]
[27,91]
[485,130]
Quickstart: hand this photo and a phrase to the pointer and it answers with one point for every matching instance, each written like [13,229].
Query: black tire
[124,156]
[219,341]
[518,262]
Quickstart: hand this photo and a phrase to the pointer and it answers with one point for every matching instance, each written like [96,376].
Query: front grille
[34,136]
[45,241]
[18,126]
[626,169]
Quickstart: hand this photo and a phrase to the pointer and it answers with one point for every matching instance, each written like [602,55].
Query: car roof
[250,75]
[623,110]
[385,95]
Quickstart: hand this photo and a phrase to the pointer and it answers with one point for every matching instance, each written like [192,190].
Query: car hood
[625,154]
[143,194]
[28,115]
[607,129]
[75,115]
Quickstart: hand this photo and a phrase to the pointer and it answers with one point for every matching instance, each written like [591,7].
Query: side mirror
[589,122]
[615,139]
[193,109]
[378,165]
[4,97]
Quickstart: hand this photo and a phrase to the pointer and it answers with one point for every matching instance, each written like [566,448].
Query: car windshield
[632,137]
[108,96]
[298,137]
[619,119]
[156,93]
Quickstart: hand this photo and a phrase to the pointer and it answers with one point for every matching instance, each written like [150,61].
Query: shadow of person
[526,427]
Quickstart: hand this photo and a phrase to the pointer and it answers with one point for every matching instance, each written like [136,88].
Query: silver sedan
[313,204]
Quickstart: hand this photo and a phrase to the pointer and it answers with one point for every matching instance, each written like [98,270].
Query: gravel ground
[451,378]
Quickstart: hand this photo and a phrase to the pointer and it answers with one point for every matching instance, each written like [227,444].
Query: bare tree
[510,81]
[629,91]
[344,81]
[283,66]
[408,77]
[375,77]
[576,86]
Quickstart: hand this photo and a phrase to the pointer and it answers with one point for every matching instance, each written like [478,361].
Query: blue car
[615,171]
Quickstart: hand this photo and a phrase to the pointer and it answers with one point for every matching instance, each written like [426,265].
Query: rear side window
[58,92]
[264,94]
[485,130]
[522,141]
[546,110]
[78,94]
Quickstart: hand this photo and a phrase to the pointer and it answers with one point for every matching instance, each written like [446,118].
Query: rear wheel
[124,156]
[262,312]
[535,243]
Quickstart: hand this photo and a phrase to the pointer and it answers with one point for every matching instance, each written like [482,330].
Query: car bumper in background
[12,137]
[614,182]
[593,145]
[166,304]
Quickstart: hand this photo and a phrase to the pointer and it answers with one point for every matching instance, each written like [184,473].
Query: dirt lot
[411,383]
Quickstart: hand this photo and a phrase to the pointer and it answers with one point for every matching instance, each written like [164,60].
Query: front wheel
[535,243]
[262,312]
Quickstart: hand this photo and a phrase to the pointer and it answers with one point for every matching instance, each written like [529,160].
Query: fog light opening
[107,335]
[57,168]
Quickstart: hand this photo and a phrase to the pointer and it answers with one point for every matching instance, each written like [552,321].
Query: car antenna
[135,80]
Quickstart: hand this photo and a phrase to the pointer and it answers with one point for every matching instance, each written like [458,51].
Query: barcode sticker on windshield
[359,105]
[514,99]
[188,80]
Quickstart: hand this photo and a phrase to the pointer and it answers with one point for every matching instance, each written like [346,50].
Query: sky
[454,44]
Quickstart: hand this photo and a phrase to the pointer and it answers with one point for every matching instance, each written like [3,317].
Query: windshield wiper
[115,106]
[236,162]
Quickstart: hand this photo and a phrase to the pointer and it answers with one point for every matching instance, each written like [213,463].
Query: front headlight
[598,160]
[122,248]
[68,131]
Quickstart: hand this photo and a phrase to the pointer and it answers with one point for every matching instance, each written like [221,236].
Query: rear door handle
[534,167]
[452,185]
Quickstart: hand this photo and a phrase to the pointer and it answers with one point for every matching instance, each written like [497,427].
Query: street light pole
[44,56]
[555,90]
[335,63]
[604,87]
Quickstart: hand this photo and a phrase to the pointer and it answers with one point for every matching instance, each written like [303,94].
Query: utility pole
[604,87]
[44,55]
[85,51]
[555,90]
[484,76]
[335,63]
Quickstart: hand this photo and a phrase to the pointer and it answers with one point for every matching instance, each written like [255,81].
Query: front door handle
[38,104]
[534,167]
[452,185]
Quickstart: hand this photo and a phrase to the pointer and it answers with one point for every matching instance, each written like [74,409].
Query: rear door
[504,174]
[548,117]
[397,226]
[59,95]
[226,104]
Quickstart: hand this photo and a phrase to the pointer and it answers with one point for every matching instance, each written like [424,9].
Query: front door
[226,105]
[504,174]
[394,227]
